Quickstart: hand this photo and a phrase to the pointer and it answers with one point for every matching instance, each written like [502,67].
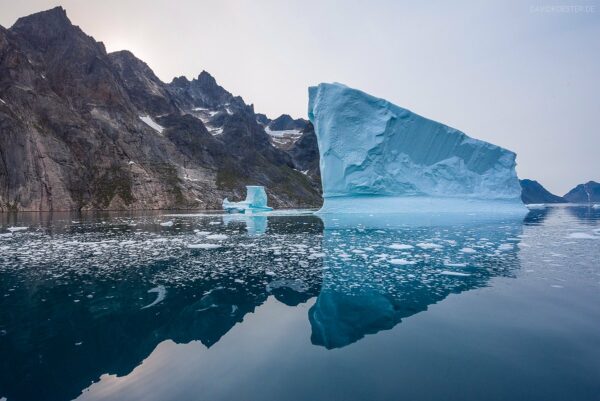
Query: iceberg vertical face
[396,159]
[256,196]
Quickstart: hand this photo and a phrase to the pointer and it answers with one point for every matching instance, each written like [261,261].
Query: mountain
[533,192]
[305,154]
[82,129]
[584,193]
[284,130]
[285,123]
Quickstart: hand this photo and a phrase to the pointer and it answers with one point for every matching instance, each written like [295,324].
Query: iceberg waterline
[256,200]
[378,157]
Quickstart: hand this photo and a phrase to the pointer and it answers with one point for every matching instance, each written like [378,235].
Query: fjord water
[292,306]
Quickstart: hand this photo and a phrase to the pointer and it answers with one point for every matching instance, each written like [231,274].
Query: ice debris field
[295,251]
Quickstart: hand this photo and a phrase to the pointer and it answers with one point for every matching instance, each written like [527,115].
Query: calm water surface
[294,307]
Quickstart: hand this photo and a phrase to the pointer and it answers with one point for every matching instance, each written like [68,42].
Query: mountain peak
[286,122]
[55,17]
[51,26]
[205,76]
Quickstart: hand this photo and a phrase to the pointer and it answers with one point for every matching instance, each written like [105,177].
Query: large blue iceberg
[256,201]
[378,157]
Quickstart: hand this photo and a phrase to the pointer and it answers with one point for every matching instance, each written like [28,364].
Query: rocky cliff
[82,129]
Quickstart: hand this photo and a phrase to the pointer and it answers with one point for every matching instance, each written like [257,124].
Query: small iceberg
[161,293]
[256,201]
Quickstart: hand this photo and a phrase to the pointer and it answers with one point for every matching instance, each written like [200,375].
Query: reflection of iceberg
[376,275]
[256,200]
[378,157]
[255,224]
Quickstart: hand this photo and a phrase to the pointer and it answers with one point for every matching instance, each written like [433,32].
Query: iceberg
[256,201]
[378,157]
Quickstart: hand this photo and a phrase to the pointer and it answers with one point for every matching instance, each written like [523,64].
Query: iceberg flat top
[369,146]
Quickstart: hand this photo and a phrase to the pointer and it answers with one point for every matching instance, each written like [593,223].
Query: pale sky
[519,74]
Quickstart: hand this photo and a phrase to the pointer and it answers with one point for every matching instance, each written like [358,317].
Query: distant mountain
[82,129]
[284,130]
[286,123]
[584,193]
[534,192]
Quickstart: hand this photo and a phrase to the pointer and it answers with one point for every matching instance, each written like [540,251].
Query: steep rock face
[144,88]
[370,147]
[584,193]
[534,192]
[305,154]
[81,129]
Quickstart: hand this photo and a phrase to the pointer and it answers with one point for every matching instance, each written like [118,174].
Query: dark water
[293,307]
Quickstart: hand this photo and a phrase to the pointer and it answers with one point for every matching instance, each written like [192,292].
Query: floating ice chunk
[13,229]
[582,236]
[198,232]
[400,246]
[203,246]
[256,201]
[428,245]
[401,262]
[450,273]
[468,250]
[535,206]
[450,264]
[167,223]
[161,292]
[152,124]
[596,206]
[316,255]
[217,236]
[506,247]
[379,157]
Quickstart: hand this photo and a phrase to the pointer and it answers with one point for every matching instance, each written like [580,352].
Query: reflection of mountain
[58,335]
[585,214]
[537,216]
[375,276]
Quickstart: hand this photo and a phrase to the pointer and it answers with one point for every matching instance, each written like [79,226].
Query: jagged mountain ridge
[82,129]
